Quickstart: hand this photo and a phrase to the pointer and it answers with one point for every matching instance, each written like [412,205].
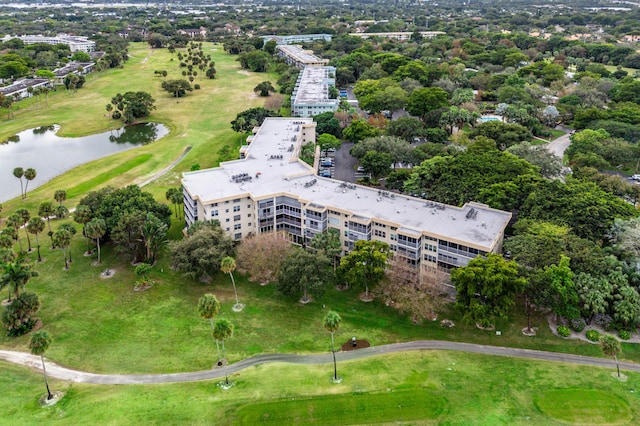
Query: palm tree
[38,345]
[19,173]
[95,229]
[36,226]
[222,331]
[16,275]
[208,307]
[60,196]
[62,239]
[82,215]
[45,211]
[29,175]
[72,231]
[25,215]
[61,212]
[332,323]
[611,347]
[228,265]
[15,221]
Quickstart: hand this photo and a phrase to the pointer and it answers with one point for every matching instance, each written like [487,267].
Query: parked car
[325,173]
[635,177]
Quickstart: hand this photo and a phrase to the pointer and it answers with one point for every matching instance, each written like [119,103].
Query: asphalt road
[63,373]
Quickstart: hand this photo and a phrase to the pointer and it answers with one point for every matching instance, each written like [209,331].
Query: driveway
[345,164]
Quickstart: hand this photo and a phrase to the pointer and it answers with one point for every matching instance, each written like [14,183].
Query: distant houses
[20,89]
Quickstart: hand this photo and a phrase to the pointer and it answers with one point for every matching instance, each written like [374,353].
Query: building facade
[271,189]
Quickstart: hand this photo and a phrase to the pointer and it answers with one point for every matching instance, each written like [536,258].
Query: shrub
[603,320]
[578,324]
[196,86]
[624,334]
[593,335]
[563,331]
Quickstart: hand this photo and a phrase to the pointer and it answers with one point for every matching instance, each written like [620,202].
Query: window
[248,206]
[249,215]
[227,229]
[226,210]
[394,237]
[237,200]
[237,226]
[227,220]
[214,213]
[214,205]
[379,233]
[236,218]
[238,236]
[236,208]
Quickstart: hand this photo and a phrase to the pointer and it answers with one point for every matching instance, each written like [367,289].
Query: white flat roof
[313,87]
[475,224]
[300,54]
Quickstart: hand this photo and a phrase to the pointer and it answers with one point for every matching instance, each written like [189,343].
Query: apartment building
[75,43]
[295,55]
[272,189]
[311,94]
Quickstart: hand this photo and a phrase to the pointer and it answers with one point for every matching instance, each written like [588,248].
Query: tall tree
[331,323]
[222,330]
[329,243]
[38,345]
[208,307]
[29,175]
[15,221]
[25,215]
[366,264]
[262,255]
[611,347]
[18,172]
[35,227]
[62,239]
[46,210]
[95,229]
[227,266]
[83,215]
[304,272]
[487,288]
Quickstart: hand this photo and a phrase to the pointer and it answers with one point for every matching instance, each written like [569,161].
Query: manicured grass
[454,388]
[584,406]
[201,119]
[94,182]
[405,405]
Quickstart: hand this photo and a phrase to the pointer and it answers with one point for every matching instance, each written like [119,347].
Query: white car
[636,177]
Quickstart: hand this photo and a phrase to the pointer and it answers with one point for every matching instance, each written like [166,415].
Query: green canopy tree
[486,288]
[16,274]
[365,265]
[62,239]
[38,345]
[329,243]
[14,221]
[304,272]
[178,88]
[46,210]
[331,323]
[264,88]
[60,196]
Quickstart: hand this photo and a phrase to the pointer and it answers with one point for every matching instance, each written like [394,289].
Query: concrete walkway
[63,373]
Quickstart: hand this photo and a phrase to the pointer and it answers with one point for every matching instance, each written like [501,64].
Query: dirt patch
[108,273]
[360,344]
[244,72]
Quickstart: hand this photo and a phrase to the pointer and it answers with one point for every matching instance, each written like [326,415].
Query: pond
[51,155]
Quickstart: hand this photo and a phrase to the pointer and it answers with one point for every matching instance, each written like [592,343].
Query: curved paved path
[63,373]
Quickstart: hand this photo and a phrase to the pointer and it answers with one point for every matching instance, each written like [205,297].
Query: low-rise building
[297,39]
[75,43]
[311,94]
[272,189]
[80,68]
[402,36]
[20,89]
[295,55]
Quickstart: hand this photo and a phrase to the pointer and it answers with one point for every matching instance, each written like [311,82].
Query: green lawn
[201,120]
[427,387]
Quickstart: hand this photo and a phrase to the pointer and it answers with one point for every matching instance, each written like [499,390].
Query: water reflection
[51,155]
